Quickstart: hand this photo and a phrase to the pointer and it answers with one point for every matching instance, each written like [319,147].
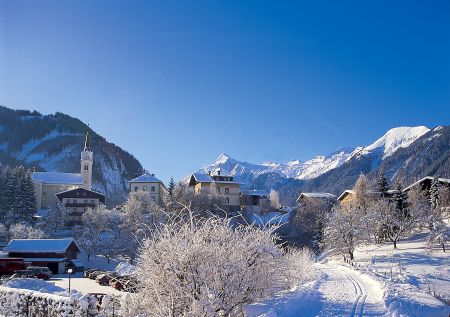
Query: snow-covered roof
[146,178]
[317,195]
[345,193]
[39,245]
[202,178]
[254,192]
[440,179]
[58,178]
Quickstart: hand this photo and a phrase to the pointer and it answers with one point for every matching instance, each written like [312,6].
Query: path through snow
[348,293]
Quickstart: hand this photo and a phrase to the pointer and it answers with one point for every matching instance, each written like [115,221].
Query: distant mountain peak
[223,157]
[396,138]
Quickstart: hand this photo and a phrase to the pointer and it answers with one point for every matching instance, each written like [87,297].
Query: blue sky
[178,82]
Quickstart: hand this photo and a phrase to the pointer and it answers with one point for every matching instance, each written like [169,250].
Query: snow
[396,138]
[145,178]
[124,269]
[318,195]
[269,218]
[58,178]
[83,285]
[407,282]
[36,285]
[385,146]
[39,245]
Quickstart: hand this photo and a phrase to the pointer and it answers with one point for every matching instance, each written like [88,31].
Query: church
[52,188]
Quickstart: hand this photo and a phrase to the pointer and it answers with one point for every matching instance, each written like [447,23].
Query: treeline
[17,195]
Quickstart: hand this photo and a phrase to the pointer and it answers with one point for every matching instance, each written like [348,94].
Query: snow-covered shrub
[207,268]
[298,266]
[25,231]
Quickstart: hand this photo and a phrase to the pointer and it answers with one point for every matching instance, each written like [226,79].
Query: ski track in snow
[346,294]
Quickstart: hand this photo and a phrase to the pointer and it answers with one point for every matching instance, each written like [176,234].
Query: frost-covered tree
[89,234]
[363,195]
[274,199]
[204,267]
[440,235]
[434,193]
[382,184]
[343,230]
[54,221]
[309,220]
[25,231]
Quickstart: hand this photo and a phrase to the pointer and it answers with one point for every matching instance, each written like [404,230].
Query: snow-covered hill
[54,143]
[382,148]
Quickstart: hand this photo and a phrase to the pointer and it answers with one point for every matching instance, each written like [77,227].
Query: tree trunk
[395,244]
[351,254]
[443,247]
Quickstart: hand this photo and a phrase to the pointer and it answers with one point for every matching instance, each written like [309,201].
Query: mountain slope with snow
[384,147]
[54,143]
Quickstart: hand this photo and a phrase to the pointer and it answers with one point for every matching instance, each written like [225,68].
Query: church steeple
[87,145]
[87,159]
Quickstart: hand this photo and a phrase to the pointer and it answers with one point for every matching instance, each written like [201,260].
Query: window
[218,190]
[227,201]
[144,188]
[153,188]
[153,198]
[44,193]
[85,201]
[227,190]
[68,201]
[74,201]
[136,188]
[92,201]
[86,167]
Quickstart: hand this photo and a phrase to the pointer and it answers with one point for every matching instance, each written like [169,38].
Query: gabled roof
[202,178]
[146,178]
[345,193]
[57,178]
[427,178]
[39,245]
[254,192]
[81,193]
[317,195]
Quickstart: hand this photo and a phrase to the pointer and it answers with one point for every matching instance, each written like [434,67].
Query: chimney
[218,172]
[209,173]
[153,174]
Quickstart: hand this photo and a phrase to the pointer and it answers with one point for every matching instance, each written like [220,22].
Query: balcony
[88,205]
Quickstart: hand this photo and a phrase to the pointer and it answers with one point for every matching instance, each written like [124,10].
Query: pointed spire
[87,145]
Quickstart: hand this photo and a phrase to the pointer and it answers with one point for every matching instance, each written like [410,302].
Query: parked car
[87,272]
[93,275]
[41,272]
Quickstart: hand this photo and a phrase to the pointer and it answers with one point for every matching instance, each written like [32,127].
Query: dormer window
[86,167]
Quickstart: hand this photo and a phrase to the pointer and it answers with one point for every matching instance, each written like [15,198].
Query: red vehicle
[9,265]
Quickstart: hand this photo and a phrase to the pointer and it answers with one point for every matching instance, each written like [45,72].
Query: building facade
[151,185]
[223,186]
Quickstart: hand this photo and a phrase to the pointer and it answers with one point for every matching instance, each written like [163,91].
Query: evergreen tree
[171,186]
[434,193]
[401,202]
[382,184]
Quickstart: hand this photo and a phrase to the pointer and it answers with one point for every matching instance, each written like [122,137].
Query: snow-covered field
[382,282]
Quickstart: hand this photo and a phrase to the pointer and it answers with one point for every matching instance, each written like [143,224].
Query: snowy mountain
[54,143]
[379,150]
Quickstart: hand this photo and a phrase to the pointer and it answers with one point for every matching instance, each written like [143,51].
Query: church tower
[87,159]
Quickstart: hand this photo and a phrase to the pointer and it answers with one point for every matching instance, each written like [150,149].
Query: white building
[48,184]
[150,184]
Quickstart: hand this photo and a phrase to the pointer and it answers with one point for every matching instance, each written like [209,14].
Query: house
[53,253]
[254,200]
[221,185]
[77,201]
[346,197]
[151,185]
[425,183]
[309,196]
[48,184]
